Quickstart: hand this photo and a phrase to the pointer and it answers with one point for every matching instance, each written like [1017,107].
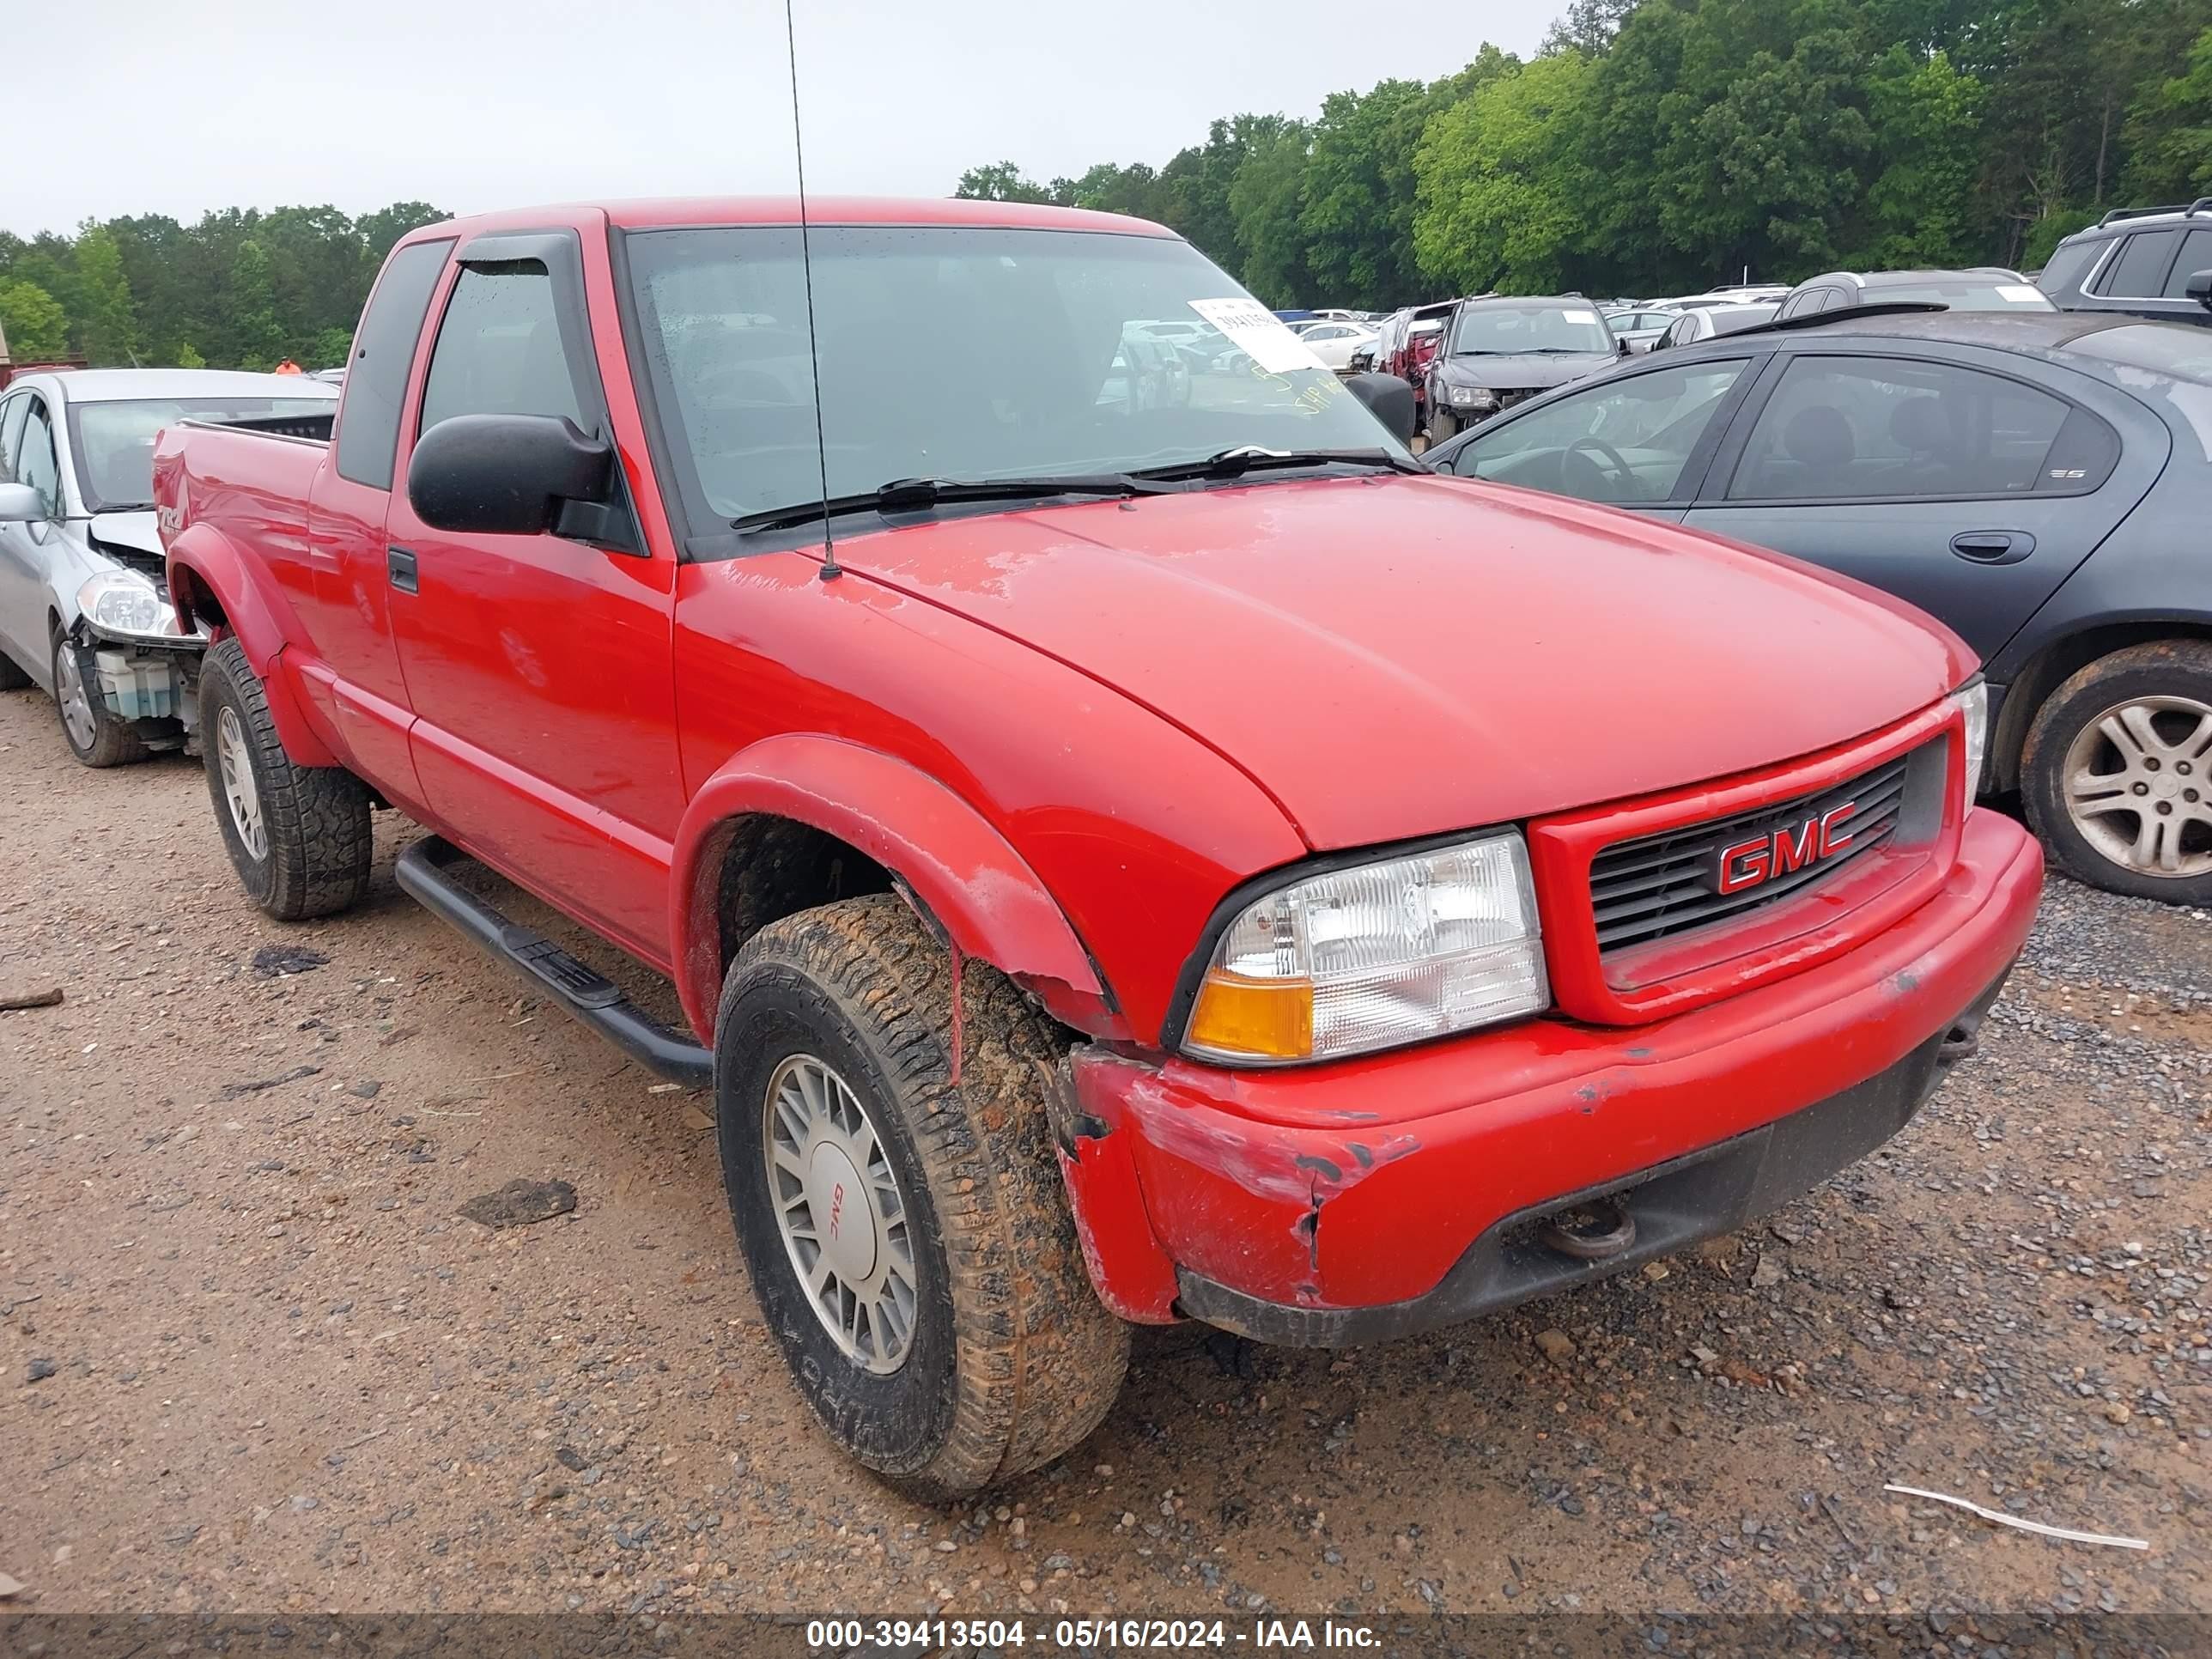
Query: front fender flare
[953,864]
[207,573]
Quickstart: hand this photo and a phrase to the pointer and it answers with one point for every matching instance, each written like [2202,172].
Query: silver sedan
[85,605]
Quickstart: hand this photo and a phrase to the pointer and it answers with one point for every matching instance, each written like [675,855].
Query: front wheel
[2117,772]
[1442,425]
[906,1234]
[299,837]
[94,733]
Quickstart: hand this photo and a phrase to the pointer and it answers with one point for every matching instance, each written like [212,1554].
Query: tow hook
[1605,1230]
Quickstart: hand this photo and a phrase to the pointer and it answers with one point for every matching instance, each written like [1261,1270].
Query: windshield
[960,354]
[1509,330]
[1959,295]
[114,441]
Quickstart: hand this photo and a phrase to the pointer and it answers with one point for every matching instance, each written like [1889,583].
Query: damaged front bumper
[149,680]
[1373,1198]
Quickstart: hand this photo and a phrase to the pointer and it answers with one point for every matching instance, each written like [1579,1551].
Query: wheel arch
[902,829]
[215,588]
[2058,660]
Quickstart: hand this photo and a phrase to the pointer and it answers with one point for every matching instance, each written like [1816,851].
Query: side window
[1626,439]
[36,463]
[499,349]
[12,411]
[2195,256]
[383,351]
[2138,270]
[1884,429]
[2068,264]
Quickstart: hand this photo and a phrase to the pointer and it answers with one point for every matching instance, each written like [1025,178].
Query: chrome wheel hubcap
[77,702]
[840,1213]
[2137,788]
[238,786]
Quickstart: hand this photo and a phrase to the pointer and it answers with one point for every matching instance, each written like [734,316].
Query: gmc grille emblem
[1779,852]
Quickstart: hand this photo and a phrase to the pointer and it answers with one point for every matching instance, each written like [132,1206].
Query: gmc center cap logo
[1777,852]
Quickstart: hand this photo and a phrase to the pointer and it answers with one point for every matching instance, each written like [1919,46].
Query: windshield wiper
[919,495]
[1246,458]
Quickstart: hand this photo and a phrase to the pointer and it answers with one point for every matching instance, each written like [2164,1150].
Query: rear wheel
[908,1237]
[2117,772]
[94,735]
[299,837]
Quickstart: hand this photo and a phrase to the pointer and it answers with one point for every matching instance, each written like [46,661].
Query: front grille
[1508,396]
[1662,884]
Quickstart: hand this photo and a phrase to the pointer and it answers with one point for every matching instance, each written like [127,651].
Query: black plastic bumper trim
[584,993]
[1673,1205]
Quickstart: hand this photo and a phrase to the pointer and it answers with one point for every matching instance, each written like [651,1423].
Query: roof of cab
[692,211]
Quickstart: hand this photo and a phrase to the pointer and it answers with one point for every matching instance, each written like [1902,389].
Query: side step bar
[592,998]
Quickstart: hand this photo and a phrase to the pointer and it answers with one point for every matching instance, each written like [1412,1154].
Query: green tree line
[239,289]
[1657,146]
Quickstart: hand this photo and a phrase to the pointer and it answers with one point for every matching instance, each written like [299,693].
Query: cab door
[538,668]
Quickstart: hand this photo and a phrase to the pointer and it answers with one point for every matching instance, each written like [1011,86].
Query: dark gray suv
[2134,260]
[2038,480]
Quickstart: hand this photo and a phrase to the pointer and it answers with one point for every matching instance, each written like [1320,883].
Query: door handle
[1993,546]
[400,564]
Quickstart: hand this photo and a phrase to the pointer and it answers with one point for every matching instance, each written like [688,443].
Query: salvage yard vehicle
[1500,352]
[84,608]
[1985,288]
[1097,889]
[2136,262]
[2037,479]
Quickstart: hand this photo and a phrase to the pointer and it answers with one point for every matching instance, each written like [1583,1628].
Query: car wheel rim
[840,1213]
[238,786]
[2137,788]
[76,701]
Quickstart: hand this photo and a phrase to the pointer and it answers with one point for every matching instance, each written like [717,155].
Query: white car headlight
[125,602]
[1973,701]
[1373,956]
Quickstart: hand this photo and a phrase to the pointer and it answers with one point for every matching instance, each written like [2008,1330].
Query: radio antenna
[830,569]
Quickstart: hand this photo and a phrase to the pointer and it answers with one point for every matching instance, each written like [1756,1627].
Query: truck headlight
[1972,700]
[1375,955]
[125,602]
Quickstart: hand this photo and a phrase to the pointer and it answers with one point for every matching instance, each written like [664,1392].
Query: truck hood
[1395,657]
[1529,371]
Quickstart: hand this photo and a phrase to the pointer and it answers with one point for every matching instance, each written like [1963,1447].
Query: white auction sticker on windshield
[2019,293]
[1585,317]
[1259,333]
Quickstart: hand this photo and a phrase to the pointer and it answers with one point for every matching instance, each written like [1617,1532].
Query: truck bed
[250,478]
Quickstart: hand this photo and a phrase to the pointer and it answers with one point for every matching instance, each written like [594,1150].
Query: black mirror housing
[507,475]
[1389,400]
[2199,288]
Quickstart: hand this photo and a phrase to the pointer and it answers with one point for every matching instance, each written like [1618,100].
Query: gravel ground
[255,1361]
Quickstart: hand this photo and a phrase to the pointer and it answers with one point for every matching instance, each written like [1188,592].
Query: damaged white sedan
[84,603]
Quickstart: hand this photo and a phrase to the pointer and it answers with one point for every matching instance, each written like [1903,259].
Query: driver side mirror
[2199,288]
[21,504]
[1389,400]
[512,475]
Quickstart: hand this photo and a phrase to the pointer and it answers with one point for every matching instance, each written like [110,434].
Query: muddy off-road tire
[299,837]
[968,1345]
[92,731]
[2117,772]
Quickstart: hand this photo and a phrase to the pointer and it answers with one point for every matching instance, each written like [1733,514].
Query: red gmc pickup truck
[1129,842]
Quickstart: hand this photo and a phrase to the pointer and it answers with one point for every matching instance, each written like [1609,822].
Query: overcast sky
[145,107]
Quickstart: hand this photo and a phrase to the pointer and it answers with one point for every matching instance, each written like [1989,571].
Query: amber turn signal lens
[1268,1019]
